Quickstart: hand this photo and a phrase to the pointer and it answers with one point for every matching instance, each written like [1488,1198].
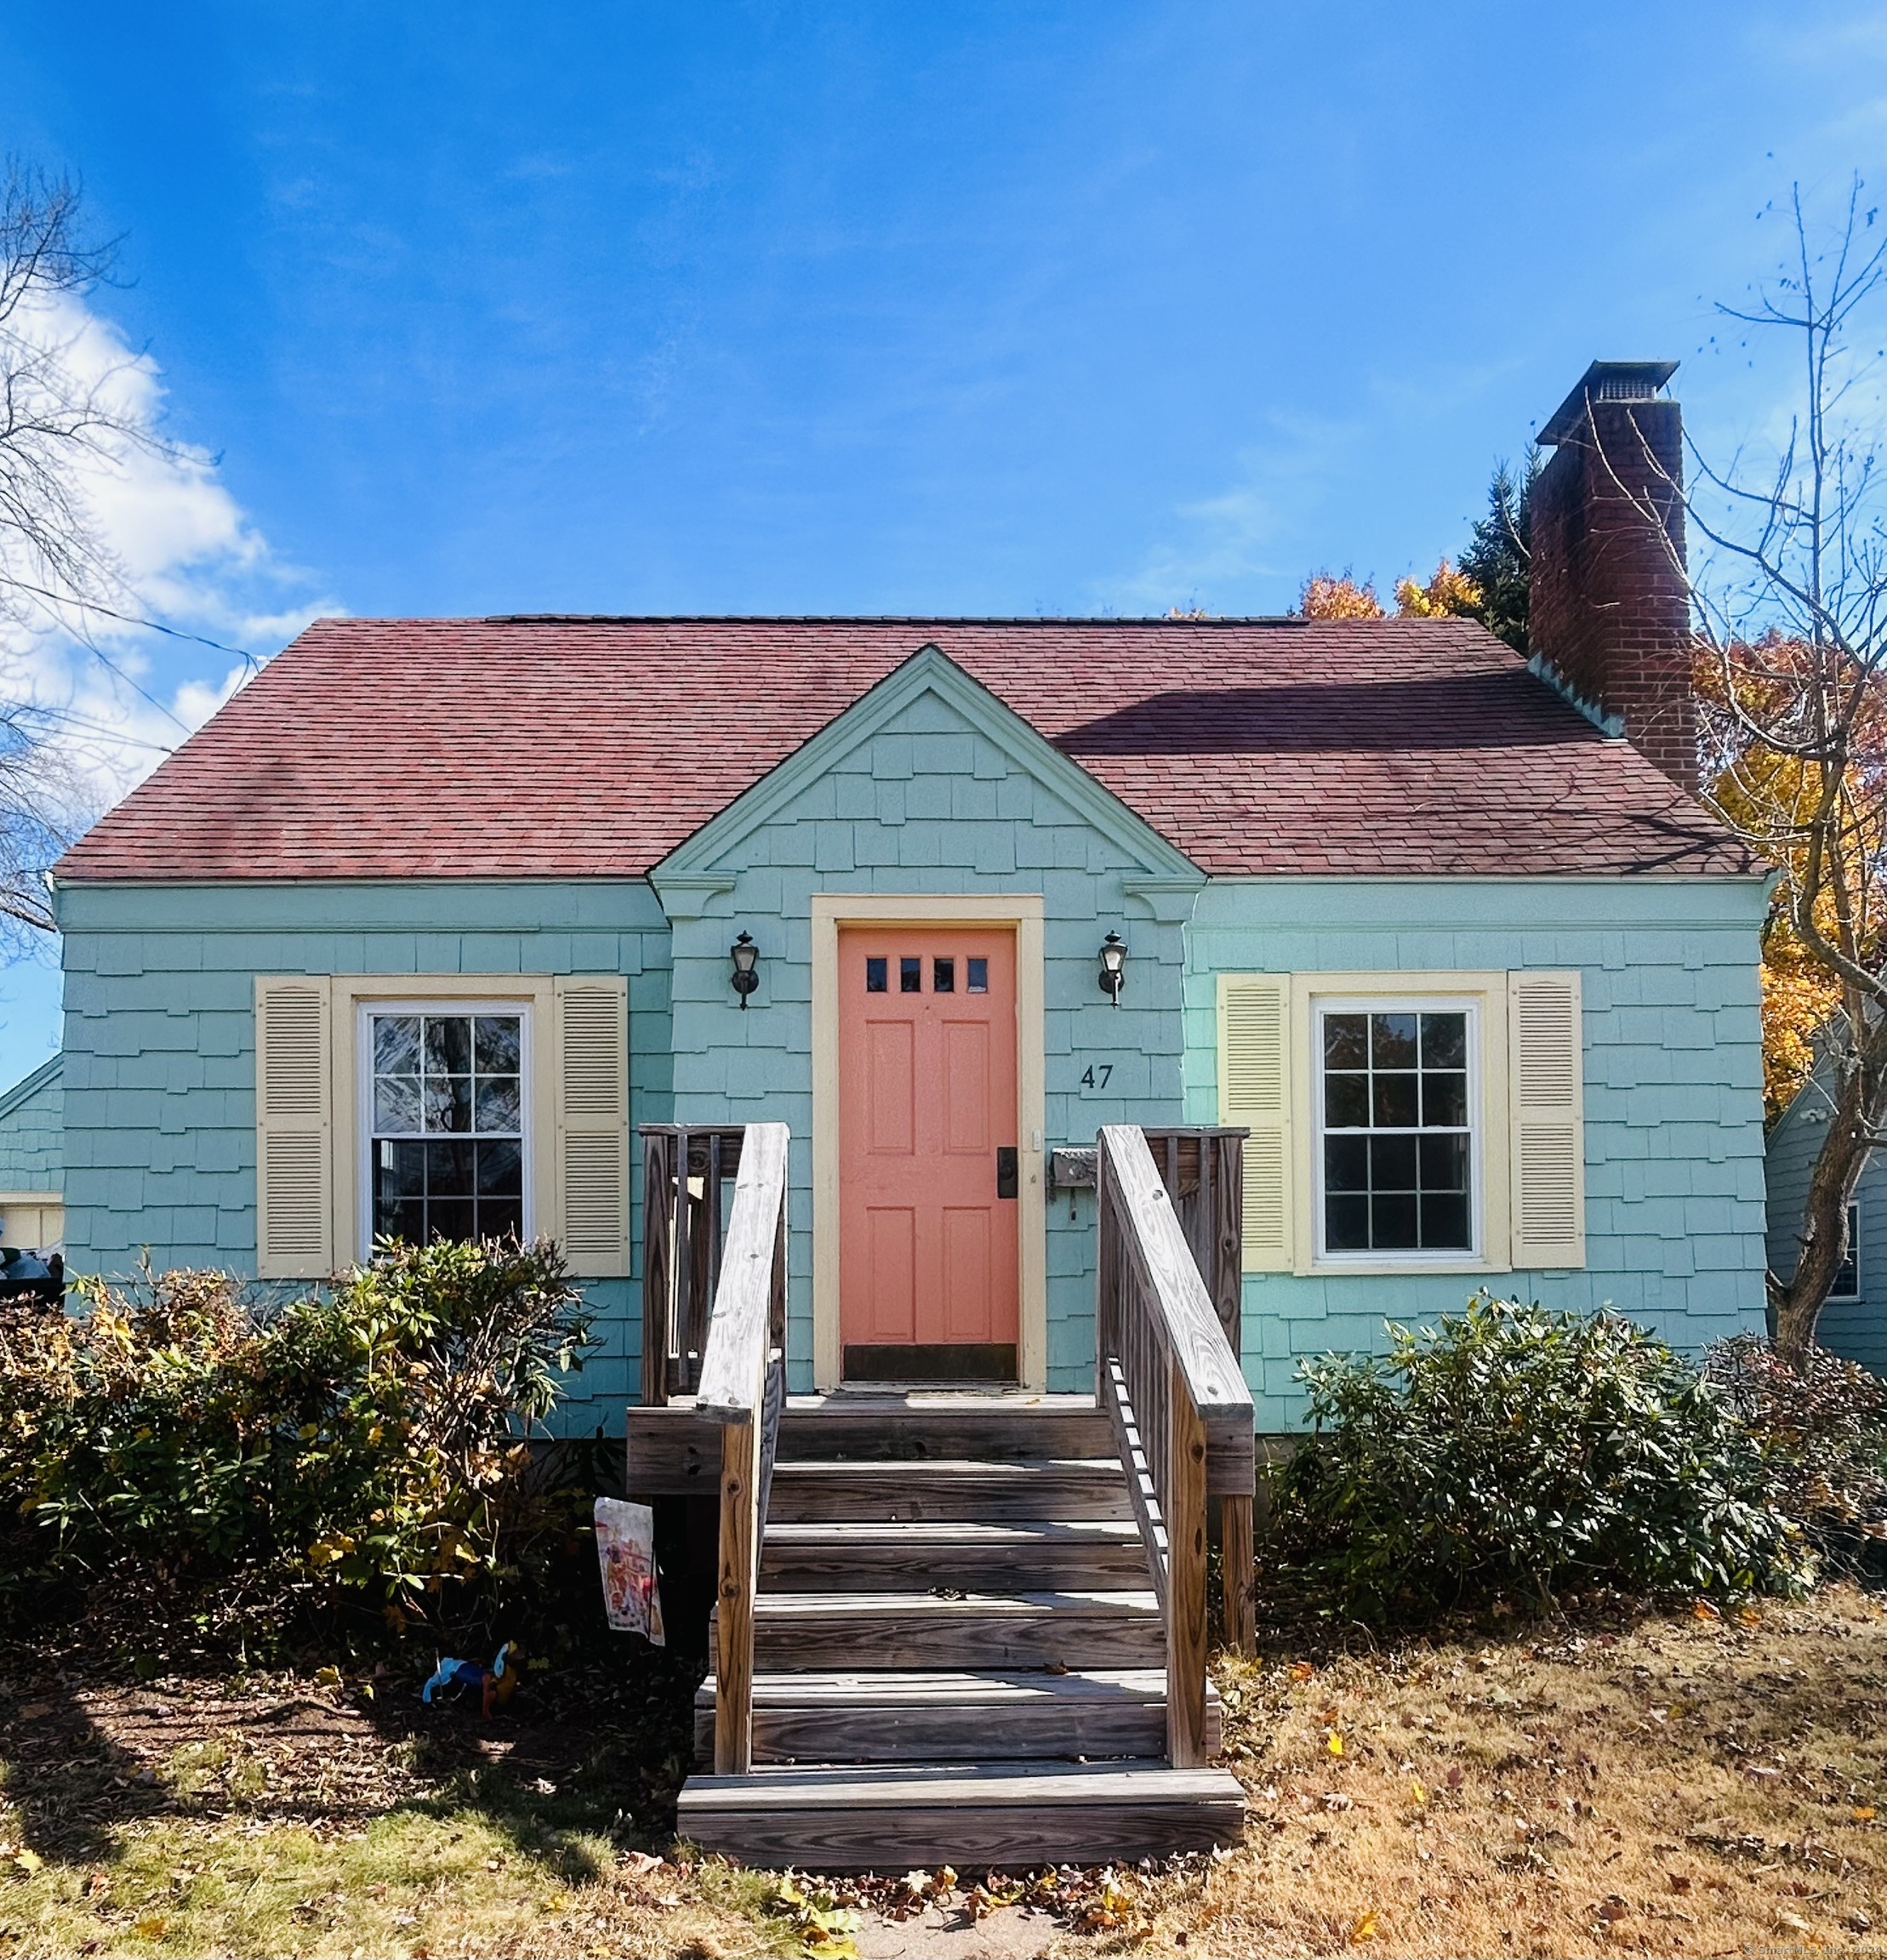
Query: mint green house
[1062,1026]
[435,916]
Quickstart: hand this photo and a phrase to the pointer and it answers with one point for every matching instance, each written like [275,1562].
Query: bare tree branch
[61,422]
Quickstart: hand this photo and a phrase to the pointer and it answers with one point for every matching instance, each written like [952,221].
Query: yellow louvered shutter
[1254,1090]
[294,1198]
[592,1084]
[1546,1071]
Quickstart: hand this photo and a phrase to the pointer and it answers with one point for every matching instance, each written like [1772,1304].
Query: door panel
[928,1254]
[892,1093]
[966,1081]
[967,1276]
[891,1296]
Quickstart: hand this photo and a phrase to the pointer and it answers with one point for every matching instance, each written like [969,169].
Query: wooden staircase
[965,1629]
[957,1652]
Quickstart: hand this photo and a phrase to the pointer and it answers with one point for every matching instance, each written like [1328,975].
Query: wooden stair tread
[1095,1714]
[930,1605]
[851,1786]
[862,1490]
[889,1817]
[994,1689]
[863,1532]
[874,1469]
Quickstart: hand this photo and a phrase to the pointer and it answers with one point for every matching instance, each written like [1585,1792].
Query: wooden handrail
[1182,1413]
[742,1387]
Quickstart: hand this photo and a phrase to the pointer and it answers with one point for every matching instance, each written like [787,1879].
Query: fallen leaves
[813,1911]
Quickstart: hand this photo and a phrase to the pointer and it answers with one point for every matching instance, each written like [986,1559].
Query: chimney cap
[1604,381]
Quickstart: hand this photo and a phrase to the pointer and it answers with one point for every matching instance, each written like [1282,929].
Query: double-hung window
[429,1106]
[446,1110]
[1413,1121]
[1396,1156]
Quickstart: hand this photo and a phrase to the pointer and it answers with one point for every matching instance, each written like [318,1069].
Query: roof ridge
[877,620]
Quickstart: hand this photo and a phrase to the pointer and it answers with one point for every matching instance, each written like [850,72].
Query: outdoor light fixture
[746,957]
[1114,967]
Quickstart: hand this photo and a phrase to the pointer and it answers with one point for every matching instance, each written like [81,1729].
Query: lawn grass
[1674,1784]
[437,1879]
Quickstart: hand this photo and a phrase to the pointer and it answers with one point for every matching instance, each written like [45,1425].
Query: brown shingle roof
[572,747]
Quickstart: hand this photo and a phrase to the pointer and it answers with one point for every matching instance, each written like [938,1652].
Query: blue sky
[1011,308]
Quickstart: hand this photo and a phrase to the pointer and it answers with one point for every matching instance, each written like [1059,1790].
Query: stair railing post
[734,1700]
[1185,1579]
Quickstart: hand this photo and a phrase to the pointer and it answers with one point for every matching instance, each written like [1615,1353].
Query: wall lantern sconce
[746,957]
[1114,967]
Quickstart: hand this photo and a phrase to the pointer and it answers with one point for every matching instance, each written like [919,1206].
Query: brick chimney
[1609,622]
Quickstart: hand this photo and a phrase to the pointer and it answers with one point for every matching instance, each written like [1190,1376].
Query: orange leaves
[1766,710]
[1449,594]
[1327,595]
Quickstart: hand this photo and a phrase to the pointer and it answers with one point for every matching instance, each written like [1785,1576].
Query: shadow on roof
[1498,710]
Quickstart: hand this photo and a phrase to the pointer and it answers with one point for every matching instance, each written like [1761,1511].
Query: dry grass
[1689,1786]
[1677,1786]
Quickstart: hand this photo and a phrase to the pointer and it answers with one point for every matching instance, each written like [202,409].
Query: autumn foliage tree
[1788,595]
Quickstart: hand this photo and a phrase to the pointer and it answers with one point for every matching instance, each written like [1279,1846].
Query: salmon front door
[928,1251]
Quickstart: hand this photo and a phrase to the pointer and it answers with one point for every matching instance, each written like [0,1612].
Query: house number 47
[1095,1075]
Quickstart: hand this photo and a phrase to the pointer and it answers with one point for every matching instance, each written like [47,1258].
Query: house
[1854,1319]
[1427,952]
[32,1127]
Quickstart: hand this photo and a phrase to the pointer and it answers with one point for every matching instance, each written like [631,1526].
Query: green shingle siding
[161,1057]
[32,1124]
[1673,1082]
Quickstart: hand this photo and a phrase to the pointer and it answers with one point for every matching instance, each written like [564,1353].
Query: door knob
[1006,1172]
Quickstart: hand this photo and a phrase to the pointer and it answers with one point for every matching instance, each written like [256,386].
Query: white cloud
[118,693]
[1255,531]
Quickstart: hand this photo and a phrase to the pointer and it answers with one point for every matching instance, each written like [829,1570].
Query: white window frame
[1411,1258]
[531,1142]
[1854,1253]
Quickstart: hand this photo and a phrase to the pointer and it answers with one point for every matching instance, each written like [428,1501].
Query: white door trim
[1022,914]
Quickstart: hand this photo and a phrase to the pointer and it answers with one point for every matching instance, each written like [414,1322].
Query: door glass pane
[979,976]
[874,976]
[942,976]
[910,976]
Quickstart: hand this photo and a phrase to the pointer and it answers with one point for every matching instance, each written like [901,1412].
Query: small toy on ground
[496,1683]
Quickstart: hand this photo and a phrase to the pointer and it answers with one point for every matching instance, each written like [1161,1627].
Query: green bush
[181,1447]
[1821,1431]
[1510,1452]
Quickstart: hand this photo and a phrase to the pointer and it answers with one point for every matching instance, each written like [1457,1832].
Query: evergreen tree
[1499,558]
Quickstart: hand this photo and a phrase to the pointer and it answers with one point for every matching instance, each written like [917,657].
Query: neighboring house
[32,1141]
[435,916]
[1854,1319]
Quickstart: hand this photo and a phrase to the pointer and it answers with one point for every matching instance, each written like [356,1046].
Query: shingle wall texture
[930,805]
[160,1049]
[32,1116]
[1674,1188]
